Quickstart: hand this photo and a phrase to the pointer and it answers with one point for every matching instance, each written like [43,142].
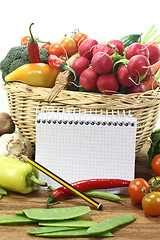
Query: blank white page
[102,147]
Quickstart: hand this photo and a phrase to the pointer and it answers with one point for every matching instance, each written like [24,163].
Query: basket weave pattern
[24,100]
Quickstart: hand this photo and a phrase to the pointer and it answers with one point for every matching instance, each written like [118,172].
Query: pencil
[63,182]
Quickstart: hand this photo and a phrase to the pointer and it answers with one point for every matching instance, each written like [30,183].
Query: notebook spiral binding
[83,118]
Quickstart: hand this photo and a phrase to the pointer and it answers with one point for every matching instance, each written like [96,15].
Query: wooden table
[145,226]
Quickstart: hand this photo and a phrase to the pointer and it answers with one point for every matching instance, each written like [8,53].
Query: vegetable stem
[152,31]
[32,38]
[37,181]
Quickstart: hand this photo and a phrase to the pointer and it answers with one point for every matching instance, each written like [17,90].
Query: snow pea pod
[74,233]
[15,219]
[56,213]
[41,230]
[111,223]
[69,223]
[104,195]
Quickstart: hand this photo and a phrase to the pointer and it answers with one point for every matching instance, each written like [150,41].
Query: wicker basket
[24,100]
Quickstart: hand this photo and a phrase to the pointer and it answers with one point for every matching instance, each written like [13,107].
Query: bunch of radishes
[109,67]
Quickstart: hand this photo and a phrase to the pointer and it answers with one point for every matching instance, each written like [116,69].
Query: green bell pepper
[18,176]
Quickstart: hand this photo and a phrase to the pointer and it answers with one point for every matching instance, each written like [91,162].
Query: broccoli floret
[43,55]
[16,64]
[18,56]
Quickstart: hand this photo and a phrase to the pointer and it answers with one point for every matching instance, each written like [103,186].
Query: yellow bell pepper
[34,74]
[18,176]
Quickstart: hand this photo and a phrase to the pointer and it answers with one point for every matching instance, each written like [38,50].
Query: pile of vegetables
[63,222]
[111,67]
[125,65]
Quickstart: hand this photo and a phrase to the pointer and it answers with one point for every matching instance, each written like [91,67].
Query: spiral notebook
[77,146]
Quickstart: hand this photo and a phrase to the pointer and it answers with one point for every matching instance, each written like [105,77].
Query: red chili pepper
[86,185]
[60,64]
[33,48]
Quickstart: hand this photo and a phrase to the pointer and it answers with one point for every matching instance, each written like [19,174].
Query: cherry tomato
[24,40]
[69,45]
[46,46]
[151,203]
[135,189]
[153,179]
[156,164]
[79,38]
[56,49]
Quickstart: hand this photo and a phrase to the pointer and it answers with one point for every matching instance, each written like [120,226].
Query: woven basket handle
[62,80]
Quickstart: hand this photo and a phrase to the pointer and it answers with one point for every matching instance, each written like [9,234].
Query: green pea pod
[74,233]
[56,213]
[15,219]
[69,223]
[110,224]
[41,230]
[104,195]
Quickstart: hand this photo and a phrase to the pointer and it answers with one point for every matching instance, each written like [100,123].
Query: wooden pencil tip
[24,157]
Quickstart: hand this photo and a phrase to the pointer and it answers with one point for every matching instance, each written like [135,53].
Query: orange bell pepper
[35,74]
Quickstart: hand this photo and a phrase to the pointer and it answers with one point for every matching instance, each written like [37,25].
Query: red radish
[86,48]
[80,64]
[107,84]
[119,46]
[124,77]
[88,79]
[101,47]
[110,50]
[154,53]
[102,63]
[143,86]
[138,65]
[136,49]
[149,74]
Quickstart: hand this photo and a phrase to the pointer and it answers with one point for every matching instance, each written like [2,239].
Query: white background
[102,19]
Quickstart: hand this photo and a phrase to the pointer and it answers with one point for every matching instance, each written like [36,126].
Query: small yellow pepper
[34,74]
[18,176]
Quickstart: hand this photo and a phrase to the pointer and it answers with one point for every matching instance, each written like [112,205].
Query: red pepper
[59,64]
[86,185]
[33,48]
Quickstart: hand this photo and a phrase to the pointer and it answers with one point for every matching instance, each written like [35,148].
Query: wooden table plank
[145,226]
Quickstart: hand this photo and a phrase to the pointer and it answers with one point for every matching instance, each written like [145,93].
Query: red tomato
[46,46]
[151,203]
[69,45]
[135,189]
[156,164]
[24,40]
[79,38]
[56,49]
[154,180]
